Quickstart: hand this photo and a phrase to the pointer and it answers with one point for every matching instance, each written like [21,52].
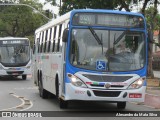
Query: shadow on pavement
[10,78]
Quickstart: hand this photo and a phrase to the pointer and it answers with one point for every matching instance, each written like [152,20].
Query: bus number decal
[54,66]
[79,92]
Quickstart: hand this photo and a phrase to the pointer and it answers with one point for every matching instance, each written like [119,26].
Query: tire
[24,77]
[42,92]
[121,105]
[57,88]
[63,104]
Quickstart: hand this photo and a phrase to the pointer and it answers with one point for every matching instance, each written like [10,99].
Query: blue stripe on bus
[145,83]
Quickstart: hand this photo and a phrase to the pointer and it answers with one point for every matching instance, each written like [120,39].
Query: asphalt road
[22,95]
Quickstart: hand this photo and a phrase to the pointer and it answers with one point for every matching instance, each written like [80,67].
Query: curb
[153,88]
[152,100]
[154,91]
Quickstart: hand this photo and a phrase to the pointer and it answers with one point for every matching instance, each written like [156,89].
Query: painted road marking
[28,88]
[25,105]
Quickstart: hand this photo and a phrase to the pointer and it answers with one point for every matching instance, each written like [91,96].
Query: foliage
[20,21]
[69,5]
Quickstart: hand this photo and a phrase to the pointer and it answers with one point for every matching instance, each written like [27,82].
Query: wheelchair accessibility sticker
[101,65]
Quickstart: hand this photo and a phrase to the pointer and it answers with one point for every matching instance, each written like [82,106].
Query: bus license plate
[14,73]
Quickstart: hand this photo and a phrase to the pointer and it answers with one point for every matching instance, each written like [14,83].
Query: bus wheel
[24,77]
[63,104]
[42,92]
[121,105]
[57,88]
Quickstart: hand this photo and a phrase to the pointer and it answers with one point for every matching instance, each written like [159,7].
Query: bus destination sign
[102,19]
[12,42]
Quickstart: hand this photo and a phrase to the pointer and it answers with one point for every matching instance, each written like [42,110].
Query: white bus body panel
[49,71]
[51,64]
[77,93]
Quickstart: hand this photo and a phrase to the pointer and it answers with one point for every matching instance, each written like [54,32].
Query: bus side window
[59,37]
[38,43]
[49,43]
[43,48]
[45,41]
[54,38]
[34,45]
[52,34]
[42,42]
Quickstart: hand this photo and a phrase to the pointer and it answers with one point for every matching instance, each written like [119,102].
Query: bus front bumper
[24,71]
[87,94]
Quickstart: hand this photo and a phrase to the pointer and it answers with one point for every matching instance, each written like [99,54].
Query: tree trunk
[153,15]
[159,36]
[150,67]
[150,52]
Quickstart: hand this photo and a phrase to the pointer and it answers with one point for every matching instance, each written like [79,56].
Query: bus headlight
[76,81]
[137,84]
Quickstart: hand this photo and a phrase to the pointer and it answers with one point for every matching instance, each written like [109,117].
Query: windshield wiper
[95,35]
[100,41]
[119,38]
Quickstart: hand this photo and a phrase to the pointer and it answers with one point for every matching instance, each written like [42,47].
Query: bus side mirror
[65,35]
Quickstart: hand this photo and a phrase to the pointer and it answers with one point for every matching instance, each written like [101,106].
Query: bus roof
[106,11]
[54,22]
[67,16]
[13,38]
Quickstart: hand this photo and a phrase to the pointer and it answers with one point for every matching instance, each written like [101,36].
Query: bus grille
[106,93]
[116,86]
[14,72]
[105,78]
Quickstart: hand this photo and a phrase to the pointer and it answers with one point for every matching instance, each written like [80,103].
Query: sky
[54,9]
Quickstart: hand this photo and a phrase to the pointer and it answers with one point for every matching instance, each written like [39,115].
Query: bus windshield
[114,50]
[14,54]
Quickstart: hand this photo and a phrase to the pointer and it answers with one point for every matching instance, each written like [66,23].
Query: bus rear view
[15,57]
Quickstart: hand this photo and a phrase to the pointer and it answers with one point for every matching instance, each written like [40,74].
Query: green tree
[157,27]
[151,14]
[19,20]
[68,5]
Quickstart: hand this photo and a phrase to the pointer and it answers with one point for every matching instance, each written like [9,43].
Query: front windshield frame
[142,32]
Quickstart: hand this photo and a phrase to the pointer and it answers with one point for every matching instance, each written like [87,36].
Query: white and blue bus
[15,57]
[92,55]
